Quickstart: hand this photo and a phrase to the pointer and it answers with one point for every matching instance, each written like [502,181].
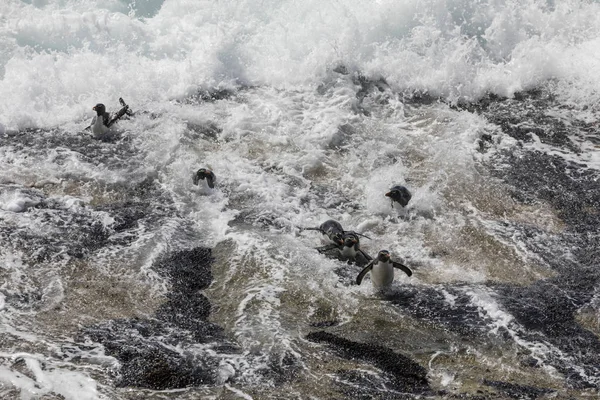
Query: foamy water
[317,120]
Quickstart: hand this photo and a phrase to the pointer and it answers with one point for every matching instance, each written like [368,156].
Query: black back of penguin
[399,194]
[204,173]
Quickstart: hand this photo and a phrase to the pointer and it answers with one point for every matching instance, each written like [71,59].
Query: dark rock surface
[145,347]
[405,375]
[518,391]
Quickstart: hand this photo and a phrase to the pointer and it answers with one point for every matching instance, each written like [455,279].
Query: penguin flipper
[327,248]
[309,229]
[357,234]
[117,116]
[365,270]
[365,255]
[402,267]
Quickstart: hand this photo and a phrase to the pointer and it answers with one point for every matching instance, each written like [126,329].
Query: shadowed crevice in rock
[146,347]
[406,375]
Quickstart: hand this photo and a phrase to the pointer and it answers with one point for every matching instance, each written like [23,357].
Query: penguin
[382,270]
[100,122]
[332,231]
[399,194]
[351,250]
[333,234]
[202,174]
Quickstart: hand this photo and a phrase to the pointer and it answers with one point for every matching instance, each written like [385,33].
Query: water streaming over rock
[121,279]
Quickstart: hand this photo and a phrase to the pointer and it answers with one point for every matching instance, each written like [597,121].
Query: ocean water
[120,279]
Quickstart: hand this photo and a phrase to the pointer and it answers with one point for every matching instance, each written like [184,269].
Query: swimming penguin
[207,174]
[100,122]
[399,194]
[382,270]
[332,231]
[351,250]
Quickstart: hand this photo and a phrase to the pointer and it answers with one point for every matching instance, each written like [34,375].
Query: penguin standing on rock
[400,195]
[382,270]
[204,174]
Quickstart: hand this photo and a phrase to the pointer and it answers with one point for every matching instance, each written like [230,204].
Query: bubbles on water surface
[300,126]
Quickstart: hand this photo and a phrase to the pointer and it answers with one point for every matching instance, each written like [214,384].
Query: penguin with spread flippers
[400,195]
[102,121]
[382,270]
[204,174]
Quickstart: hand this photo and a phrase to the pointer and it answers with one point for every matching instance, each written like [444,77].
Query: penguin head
[99,108]
[350,240]
[207,174]
[399,194]
[384,256]
[337,239]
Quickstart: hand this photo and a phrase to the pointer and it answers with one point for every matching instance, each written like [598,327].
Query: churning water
[120,279]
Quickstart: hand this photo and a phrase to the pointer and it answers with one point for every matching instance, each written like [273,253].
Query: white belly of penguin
[326,240]
[98,128]
[348,253]
[382,274]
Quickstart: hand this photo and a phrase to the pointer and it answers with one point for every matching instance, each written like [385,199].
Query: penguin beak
[94,108]
[388,194]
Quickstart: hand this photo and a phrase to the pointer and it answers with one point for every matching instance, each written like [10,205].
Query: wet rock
[529,113]
[362,385]
[547,309]
[406,375]
[208,131]
[145,347]
[572,190]
[210,95]
[141,346]
[429,303]
[518,391]
[281,368]
[187,270]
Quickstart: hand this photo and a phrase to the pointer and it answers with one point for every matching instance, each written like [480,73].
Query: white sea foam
[294,145]
[69,384]
[63,57]
[16,202]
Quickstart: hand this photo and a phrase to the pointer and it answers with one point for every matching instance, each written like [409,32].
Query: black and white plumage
[332,231]
[205,174]
[382,270]
[400,195]
[351,250]
[100,122]
[341,244]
